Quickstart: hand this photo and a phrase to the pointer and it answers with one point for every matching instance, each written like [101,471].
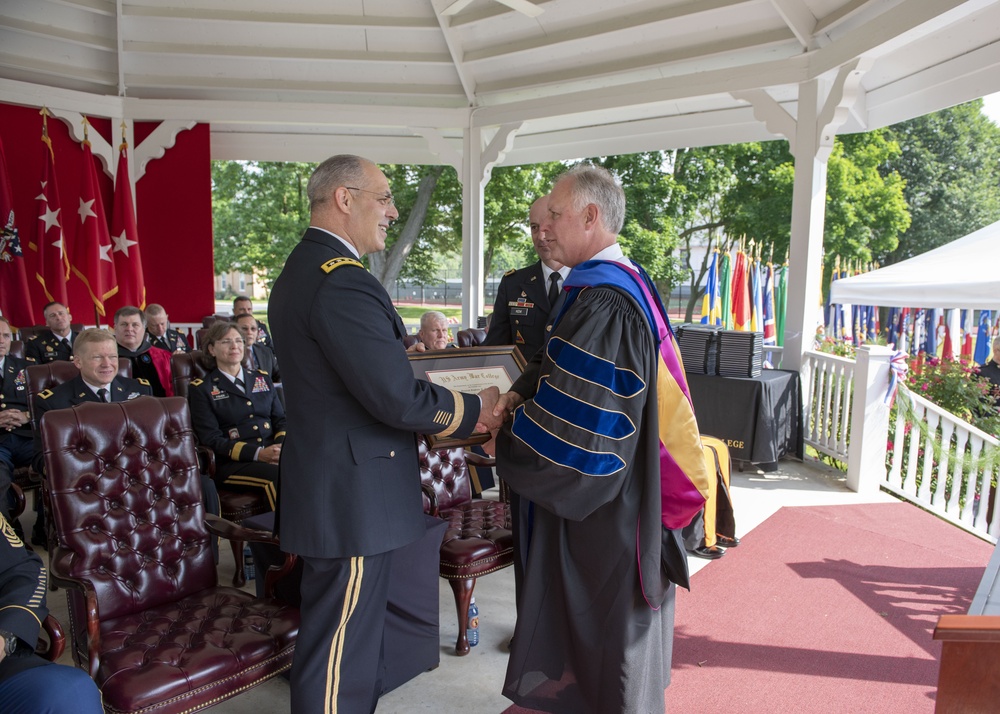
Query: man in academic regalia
[150,364]
[605,443]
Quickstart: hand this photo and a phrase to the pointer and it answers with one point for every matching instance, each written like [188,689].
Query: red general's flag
[15,301]
[92,261]
[125,237]
[52,269]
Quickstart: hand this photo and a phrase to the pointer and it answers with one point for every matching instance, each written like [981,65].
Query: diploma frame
[436,365]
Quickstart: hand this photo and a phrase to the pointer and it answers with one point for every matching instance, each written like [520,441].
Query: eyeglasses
[386,199]
[229,343]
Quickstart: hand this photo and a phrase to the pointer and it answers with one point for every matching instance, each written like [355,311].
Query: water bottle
[473,630]
[249,570]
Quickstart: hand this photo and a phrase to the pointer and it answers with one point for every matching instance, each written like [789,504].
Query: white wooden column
[481,152]
[823,107]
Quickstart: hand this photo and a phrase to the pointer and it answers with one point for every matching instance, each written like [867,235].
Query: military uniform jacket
[22,595]
[172,341]
[74,392]
[232,423]
[46,347]
[521,311]
[265,360]
[350,483]
[14,392]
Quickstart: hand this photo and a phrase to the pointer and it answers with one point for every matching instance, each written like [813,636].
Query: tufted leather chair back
[17,349]
[184,367]
[446,472]
[470,337]
[126,502]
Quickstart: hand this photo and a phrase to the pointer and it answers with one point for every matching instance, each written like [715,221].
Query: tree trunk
[385,266]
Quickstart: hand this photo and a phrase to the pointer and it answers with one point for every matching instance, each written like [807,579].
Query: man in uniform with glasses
[350,482]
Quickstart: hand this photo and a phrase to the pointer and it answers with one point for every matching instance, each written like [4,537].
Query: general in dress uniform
[350,491]
[48,347]
[171,341]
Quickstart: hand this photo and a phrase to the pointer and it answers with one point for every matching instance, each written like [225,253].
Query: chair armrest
[91,617]
[276,573]
[18,501]
[479,459]
[206,460]
[432,497]
[56,644]
[230,531]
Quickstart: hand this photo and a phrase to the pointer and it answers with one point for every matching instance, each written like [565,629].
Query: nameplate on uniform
[218,394]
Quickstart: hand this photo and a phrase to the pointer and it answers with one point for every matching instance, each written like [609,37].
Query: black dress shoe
[726,542]
[39,539]
[709,552]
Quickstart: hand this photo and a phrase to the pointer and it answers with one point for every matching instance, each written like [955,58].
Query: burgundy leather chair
[235,506]
[478,540]
[470,337]
[16,349]
[148,618]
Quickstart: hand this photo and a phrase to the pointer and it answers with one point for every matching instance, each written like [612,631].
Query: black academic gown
[592,635]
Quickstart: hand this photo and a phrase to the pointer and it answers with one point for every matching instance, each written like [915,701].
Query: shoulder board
[196,382]
[29,359]
[510,272]
[45,395]
[33,338]
[140,380]
[260,371]
[334,263]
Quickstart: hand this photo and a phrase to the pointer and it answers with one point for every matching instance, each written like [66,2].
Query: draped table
[759,418]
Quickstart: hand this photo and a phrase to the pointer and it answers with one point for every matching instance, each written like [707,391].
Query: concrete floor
[472,684]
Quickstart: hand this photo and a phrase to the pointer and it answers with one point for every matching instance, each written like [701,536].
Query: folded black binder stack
[699,347]
[741,354]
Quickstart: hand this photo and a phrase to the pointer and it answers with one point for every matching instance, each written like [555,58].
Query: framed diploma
[470,370]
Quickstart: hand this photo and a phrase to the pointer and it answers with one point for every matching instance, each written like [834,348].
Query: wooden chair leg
[239,577]
[463,595]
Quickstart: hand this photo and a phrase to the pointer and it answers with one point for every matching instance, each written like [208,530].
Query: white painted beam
[799,19]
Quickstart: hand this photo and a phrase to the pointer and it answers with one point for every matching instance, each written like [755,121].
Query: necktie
[103,394]
[250,358]
[553,288]
[242,385]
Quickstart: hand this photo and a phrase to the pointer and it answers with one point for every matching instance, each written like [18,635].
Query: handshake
[495,411]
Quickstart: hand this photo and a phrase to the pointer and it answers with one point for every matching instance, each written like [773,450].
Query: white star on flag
[86,209]
[51,218]
[122,243]
[59,244]
[106,252]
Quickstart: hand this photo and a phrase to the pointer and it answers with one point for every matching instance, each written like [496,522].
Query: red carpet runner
[824,609]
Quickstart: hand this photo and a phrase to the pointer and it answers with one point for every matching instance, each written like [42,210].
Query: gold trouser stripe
[269,490]
[333,662]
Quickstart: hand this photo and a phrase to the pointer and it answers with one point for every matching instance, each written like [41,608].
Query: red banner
[92,261]
[15,300]
[125,237]
[52,268]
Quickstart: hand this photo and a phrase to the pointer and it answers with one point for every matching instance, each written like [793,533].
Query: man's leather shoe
[39,539]
[709,552]
[726,542]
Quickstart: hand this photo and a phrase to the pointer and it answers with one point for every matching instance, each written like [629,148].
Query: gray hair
[434,315]
[597,185]
[154,310]
[339,170]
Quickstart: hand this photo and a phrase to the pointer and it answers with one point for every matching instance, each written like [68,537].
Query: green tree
[259,211]
[950,161]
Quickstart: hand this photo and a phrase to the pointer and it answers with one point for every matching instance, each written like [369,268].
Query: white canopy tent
[962,274]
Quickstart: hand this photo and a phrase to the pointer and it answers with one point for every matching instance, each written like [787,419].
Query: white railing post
[869,420]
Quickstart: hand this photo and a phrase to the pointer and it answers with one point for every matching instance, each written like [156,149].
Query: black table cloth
[759,418]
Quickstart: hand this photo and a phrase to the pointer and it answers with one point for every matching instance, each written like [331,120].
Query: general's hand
[417,347]
[489,398]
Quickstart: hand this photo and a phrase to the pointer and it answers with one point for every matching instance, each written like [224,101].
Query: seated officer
[15,422]
[236,413]
[242,305]
[147,363]
[28,683]
[160,333]
[57,342]
[433,333]
[258,355]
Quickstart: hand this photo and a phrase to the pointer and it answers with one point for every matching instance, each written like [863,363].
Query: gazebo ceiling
[400,80]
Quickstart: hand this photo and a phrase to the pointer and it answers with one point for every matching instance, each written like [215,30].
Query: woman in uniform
[237,413]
